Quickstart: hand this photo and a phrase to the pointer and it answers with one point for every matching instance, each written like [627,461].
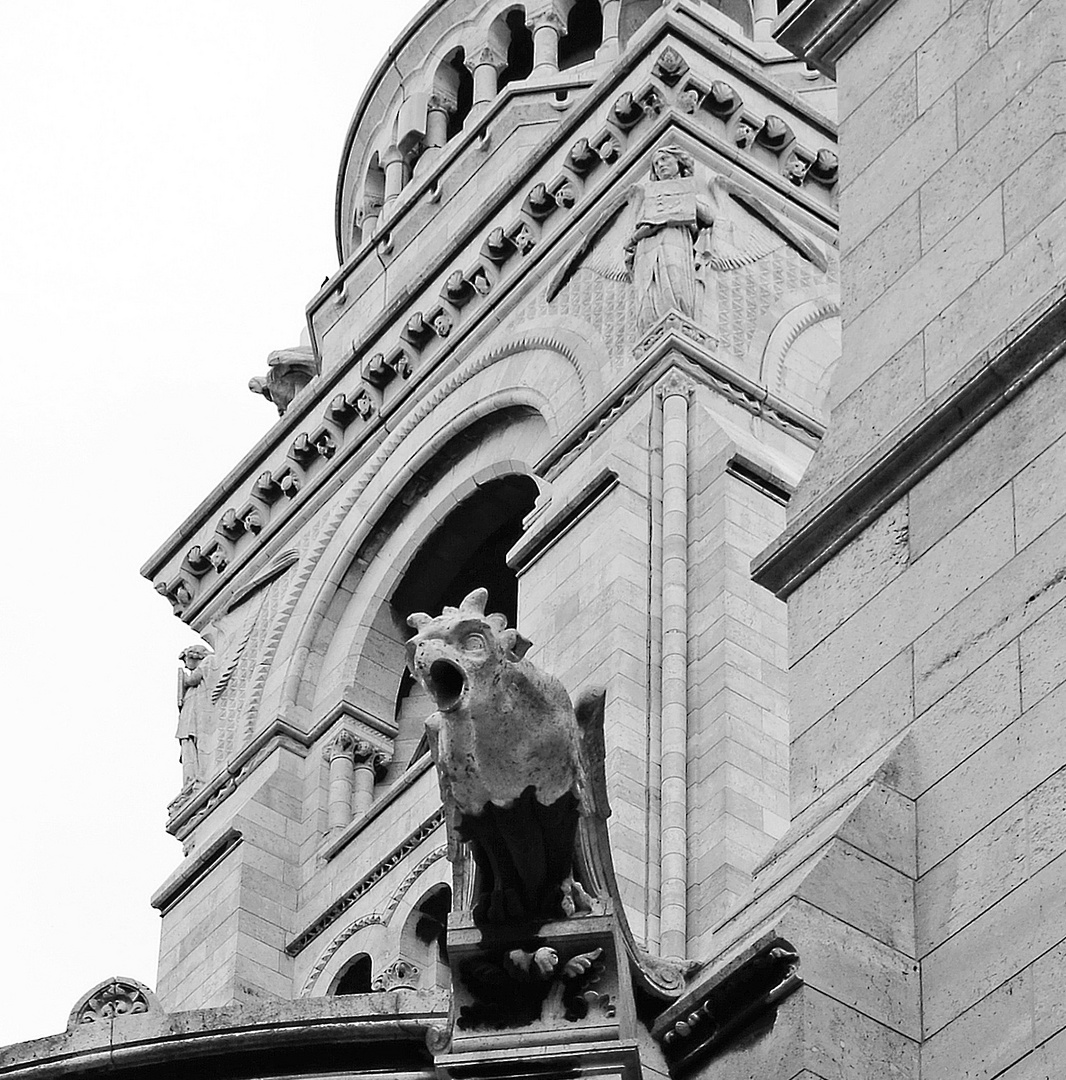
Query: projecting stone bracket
[740,998]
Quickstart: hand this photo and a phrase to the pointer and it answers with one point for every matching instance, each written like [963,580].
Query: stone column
[437,112]
[486,65]
[371,214]
[612,28]
[765,16]
[395,170]
[675,392]
[341,757]
[369,763]
[548,27]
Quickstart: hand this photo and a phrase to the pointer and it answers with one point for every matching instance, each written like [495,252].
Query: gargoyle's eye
[474,642]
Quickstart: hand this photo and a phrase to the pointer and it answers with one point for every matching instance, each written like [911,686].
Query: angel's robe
[662,249]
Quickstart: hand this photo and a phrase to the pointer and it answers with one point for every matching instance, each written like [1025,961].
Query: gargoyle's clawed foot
[576,901]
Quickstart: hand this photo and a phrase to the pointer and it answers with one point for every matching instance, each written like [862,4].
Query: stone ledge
[1013,362]
[821,31]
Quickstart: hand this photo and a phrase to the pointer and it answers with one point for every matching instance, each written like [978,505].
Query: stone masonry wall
[931,646]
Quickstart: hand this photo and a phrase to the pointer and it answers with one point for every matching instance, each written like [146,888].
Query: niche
[455,83]
[354,977]
[584,34]
[519,40]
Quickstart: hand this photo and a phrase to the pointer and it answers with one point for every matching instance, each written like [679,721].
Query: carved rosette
[399,975]
[113,999]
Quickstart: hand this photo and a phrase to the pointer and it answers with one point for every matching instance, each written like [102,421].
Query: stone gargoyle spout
[511,755]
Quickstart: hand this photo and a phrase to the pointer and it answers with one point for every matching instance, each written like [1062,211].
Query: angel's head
[670,162]
[192,656]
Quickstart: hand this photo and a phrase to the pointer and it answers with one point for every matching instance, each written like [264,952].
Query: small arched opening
[454,82]
[354,978]
[584,34]
[424,940]
[466,552]
[519,41]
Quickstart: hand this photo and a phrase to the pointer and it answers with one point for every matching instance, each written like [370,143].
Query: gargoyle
[517,765]
[288,372]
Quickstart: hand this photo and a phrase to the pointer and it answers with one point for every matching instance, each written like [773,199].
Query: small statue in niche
[192,706]
[514,760]
[670,237]
[289,371]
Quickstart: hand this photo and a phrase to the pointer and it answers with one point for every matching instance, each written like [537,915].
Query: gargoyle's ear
[474,603]
[515,645]
[497,621]
[418,620]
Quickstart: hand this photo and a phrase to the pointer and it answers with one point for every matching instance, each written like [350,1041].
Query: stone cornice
[296,483]
[932,433]
[365,1033]
[821,31]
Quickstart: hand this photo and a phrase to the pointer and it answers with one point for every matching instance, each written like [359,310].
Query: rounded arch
[365,935]
[453,83]
[514,39]
[423,939]
[798,346]
[549,371]
[354,978]
[584,33]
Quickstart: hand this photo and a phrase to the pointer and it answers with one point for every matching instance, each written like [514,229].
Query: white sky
[167,173]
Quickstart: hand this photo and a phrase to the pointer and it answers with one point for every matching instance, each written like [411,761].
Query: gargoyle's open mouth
[447,681]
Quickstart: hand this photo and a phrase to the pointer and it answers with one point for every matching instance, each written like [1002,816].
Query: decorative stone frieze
[410,844]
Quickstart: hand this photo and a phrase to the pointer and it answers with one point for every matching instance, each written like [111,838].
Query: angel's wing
[589,709]
[603,248]
[231,661]
[746,230]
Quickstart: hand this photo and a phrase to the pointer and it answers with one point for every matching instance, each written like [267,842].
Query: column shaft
[674,752]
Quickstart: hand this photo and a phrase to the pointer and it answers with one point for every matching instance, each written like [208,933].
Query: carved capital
[489,55]
[343,745]
[546,18]
[675,384]
[439,101]
[399,974]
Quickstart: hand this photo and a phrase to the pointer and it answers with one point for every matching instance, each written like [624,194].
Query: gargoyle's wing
[746,230]
[589,709]
[603,248]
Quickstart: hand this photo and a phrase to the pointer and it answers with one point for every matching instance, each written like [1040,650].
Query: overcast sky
[166,212]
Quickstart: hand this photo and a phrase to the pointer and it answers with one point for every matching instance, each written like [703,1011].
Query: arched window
[519,40]
[455,83]
[354,977]
[466,552]
[584,34]
[424,940]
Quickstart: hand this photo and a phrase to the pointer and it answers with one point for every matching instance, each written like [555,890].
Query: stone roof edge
[307,402]
[991,380]
[821,31]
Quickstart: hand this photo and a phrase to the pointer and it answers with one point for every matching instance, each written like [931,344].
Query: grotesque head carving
[452,652]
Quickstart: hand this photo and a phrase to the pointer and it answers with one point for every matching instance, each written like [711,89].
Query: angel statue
[673,237]
[192,705]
